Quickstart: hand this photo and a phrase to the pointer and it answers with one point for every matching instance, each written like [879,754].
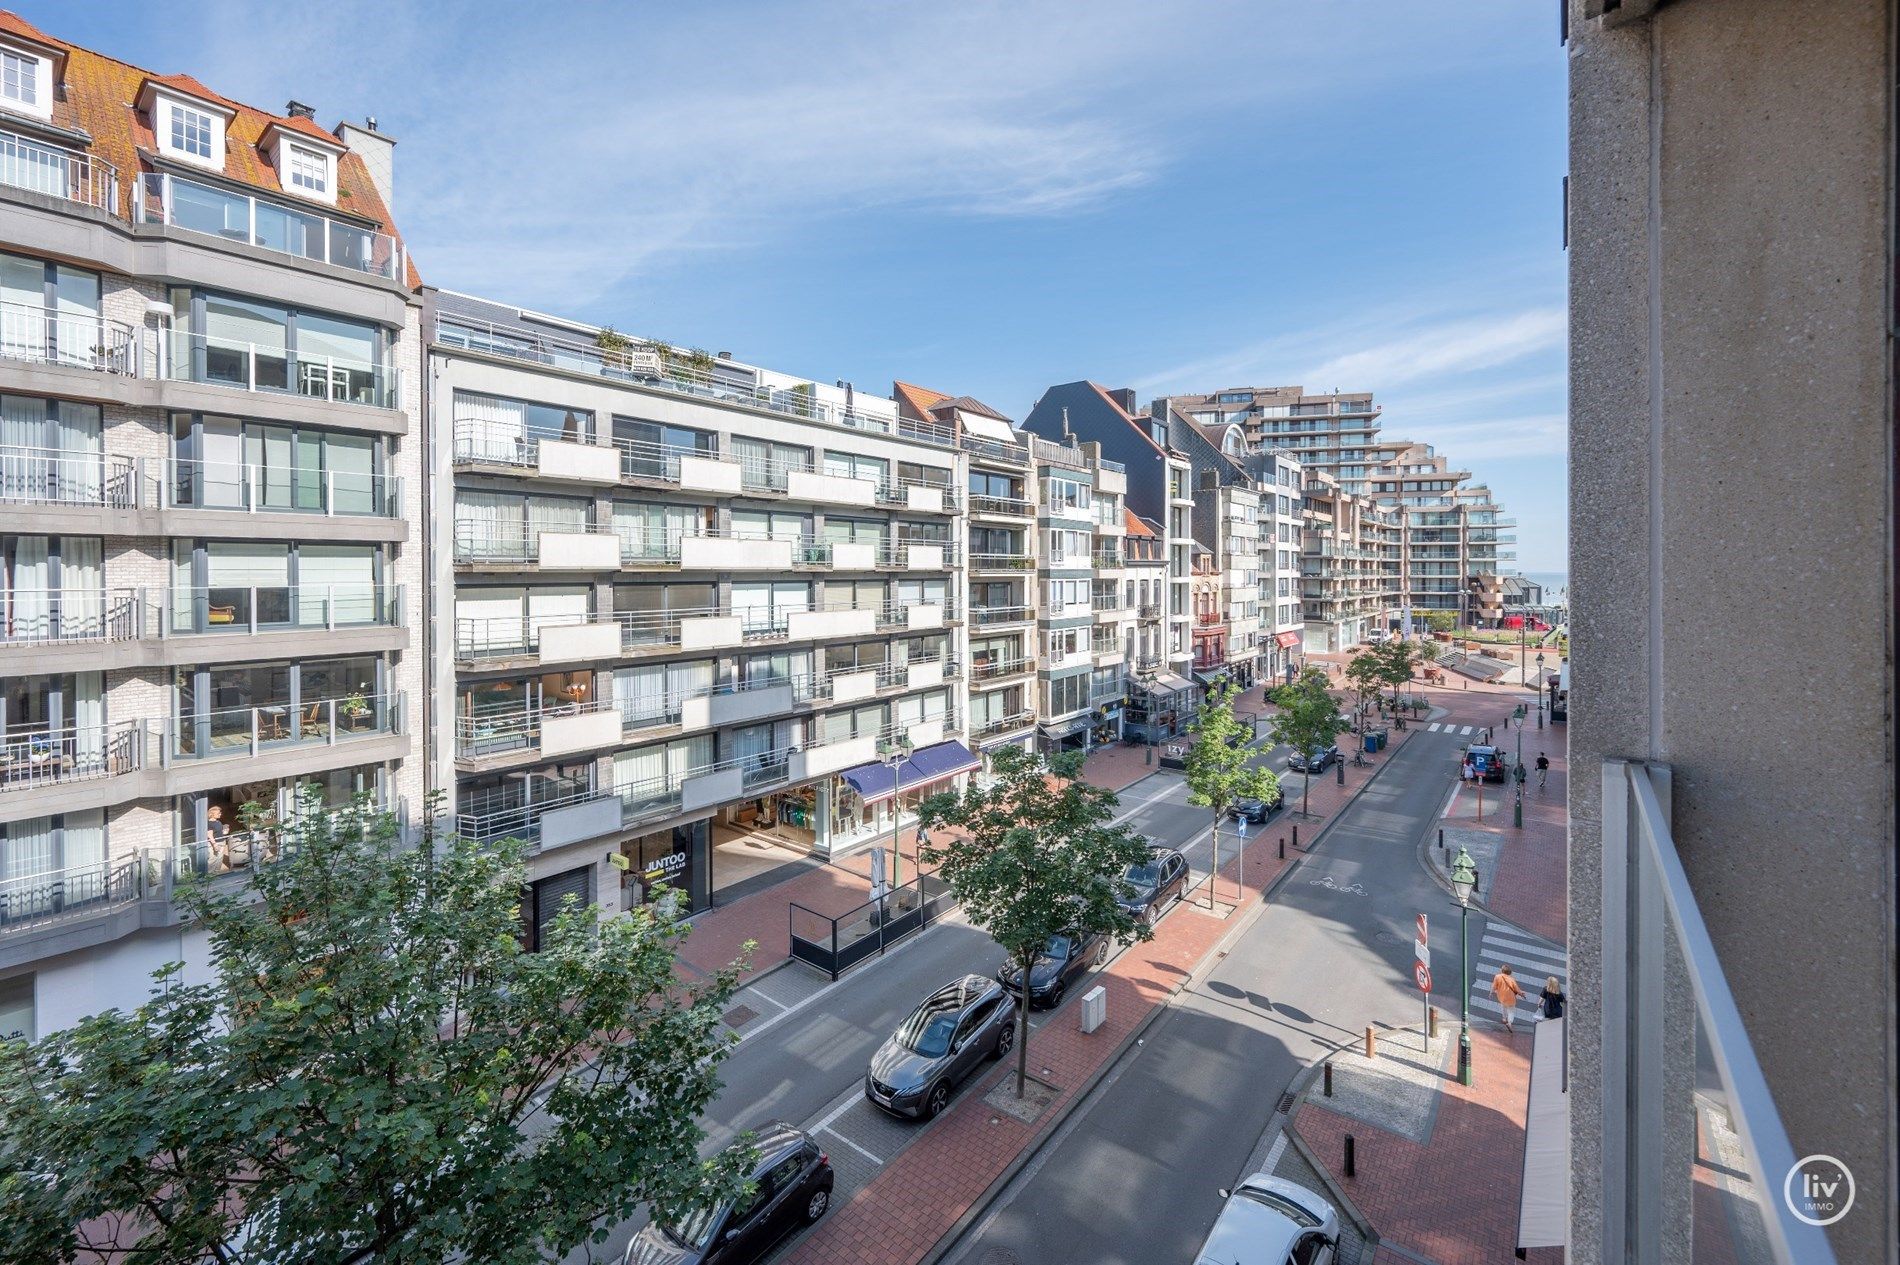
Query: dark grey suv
[792,1181]
[944,1040]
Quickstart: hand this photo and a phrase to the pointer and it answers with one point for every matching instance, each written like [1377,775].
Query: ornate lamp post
[1464,880]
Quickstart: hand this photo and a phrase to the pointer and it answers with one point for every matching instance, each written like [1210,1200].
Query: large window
[309,170]
[1068,694]
[849,465]
[268,347]
[765,607]
[191,131]
[224,709]
[233,585]
[20,79]
[651,450]
[226,463]
[495,428]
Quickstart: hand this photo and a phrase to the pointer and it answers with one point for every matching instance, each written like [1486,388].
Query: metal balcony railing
[519,541]
[286,230]
[35,900]
[1013,506]
[47,617]
[47,476]
[254,488]
[991,560]
[485,441]
[1001,724]
[251,366]
[982,670]
[81,340]
[247,731]
[986,615]
[51,757]
[58,172]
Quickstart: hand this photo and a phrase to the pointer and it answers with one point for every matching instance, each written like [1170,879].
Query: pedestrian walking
[1543,769]
[1505,988]
[1553,998]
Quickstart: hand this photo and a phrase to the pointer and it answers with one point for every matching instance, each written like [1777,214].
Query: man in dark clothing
[1543,769]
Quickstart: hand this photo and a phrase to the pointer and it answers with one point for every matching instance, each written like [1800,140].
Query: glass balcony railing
[251,366]
[58,172]
[247,731]
[272,489]
[286,230]
[255,608]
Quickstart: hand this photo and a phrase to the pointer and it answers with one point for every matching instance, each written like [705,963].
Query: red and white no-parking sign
[1423,974]
[1422,950]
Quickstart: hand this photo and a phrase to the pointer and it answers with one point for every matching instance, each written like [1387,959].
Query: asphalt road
[806,1062]
[1134,1175]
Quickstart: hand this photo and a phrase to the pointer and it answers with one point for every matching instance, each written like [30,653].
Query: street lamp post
[1464,879]
[898,752]
[1540,689]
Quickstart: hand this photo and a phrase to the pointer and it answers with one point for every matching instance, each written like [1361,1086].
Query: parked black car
[945,1039]
[793,1179]
[1317,762]
[1149,887]
[1061,962]
[1258,810]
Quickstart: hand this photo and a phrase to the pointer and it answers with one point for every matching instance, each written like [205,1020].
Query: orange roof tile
[921,399]
[1132,524]
[101,99]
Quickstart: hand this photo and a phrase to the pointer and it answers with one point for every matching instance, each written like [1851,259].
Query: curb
[953,1237]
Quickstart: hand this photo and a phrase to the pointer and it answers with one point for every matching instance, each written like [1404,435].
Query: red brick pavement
[918,1196]
[1454,1199]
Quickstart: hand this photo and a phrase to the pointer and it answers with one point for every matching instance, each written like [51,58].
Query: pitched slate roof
[100,98]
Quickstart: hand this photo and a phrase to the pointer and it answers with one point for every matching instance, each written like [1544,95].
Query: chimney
[298,110]
[1125,397]
[1066,432]
[378,153]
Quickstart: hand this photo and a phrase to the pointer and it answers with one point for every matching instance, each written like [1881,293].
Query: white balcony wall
[721,553]
[851,555]
[711,632]
[571,643]
[699,474]
[924,615]
[737,708]
[803,624]
[808,485]
[585,463]
[831,758]
[924,557]
[578,551]
[589,731]
[575,822]
[721,786]
[847,687]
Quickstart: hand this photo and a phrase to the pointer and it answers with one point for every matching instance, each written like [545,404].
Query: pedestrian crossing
[1440,727]
[1529,958]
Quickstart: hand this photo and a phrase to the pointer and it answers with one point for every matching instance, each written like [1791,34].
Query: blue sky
[983,198]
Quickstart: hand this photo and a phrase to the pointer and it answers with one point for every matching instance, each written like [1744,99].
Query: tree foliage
[376,1070]
[1440,621]
[1219,764]
[1032,853]
[1308,719]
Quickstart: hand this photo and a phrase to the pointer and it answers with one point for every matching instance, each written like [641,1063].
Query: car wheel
[1101,950]
[938,1100]
[1151,915]
[1006,1040]
[815,1206]
[1055,994]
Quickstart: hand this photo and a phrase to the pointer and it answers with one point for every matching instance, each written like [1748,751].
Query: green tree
[1440,621]
[1368,671]
[1035,854]
[1219,767]
[1308,720]
[377,1070]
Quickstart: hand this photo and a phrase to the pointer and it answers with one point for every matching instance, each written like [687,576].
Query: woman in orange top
[1505,988]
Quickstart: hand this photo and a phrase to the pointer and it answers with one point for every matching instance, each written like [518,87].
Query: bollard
[1283,847]
[1431,1026]
[1296,838]
[1151,753]
[1441,840]
[1328,1066]
[1341,767]
[1350,1167]
[1371,1050]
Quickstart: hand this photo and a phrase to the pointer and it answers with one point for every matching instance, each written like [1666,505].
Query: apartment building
[1731,232]
[1350,569]
[1452,533]
[1000,598]
[1333,431]
[1158,483]
[1281,481]
[696,619]
[210,488]
[1156,696]
[1084,619]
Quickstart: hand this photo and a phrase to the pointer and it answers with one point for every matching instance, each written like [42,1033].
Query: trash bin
[1372,743]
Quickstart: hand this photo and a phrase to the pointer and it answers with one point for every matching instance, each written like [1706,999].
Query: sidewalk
[919,1196]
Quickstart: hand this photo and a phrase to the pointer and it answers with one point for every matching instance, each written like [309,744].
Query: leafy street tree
[376,1071]
[1440,621]
[1219,770]
[1308,720]
[1368,671]
[1034,854]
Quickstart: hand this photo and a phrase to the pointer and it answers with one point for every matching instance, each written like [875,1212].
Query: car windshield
[694,1228]
[1058,947]
[929,1028]
[1142,875]
[1280,1204]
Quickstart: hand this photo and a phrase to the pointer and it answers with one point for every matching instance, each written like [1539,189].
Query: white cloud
[1445,349]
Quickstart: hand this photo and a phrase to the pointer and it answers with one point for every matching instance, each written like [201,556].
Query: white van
[1269,1221]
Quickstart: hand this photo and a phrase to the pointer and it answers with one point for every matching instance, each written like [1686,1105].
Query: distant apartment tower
[695,619]
[1333,431]
[1350,565]
[210,506]
[1450,546]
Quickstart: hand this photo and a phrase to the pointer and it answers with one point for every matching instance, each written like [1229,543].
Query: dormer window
[191,131]
[308,170]
[26,81]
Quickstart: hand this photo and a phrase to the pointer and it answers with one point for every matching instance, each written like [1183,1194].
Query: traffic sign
[1423,974]
[1424,933]
[1422,945]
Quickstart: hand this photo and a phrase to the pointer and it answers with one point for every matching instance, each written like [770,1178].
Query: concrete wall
[1730,540]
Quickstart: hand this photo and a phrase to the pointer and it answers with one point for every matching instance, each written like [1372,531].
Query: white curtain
[487,524]
[23,440]
[84,839]
[27,850]
[341,578]
[82,594]
[640,776]
[548,513]
[488,619]
[242,563]
[488,429]
[640,695]
[82,462]
[89,718]
[31,607]
[752,603]
[221,473]
[555,606]
[351,462]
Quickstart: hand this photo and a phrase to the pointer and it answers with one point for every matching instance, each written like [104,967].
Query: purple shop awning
[926,766]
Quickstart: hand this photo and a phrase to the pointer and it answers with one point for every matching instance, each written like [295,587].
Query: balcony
[254,609]
[563,544]
[479,442]
[264,367]
[58,172]
[47,336]
[57,757]
[1107,559]
[250,488]
[987,671]
[1001,725]
[38,900]
[994,449]
[70,617]
[655,367]
[1002,506]
[236,217]
[553,728]
[1013,561]
[248,731]
[1148,612]
[1105,603]
[45,476]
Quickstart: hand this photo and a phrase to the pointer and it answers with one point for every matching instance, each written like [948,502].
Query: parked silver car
[946,1038]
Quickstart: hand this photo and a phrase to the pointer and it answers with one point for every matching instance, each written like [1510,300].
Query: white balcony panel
[1083,659]
[1111,481]
[1074,610]
[924,557]
[855,623]
[832,757]
[572,643]
[925,733]
[586,463]
[696,713]
[575,822]
[589,731]
[852,555]
[723,553]
[735,709]
[923,675]
[924,615]
[924,500]
[711,632]
[699,474]
[721,786]
[847,687]
[807,485]
[579,551]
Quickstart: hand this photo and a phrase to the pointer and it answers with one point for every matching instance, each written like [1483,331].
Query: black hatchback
[1063,960]
[1149,887]
[1258,810]
[792,1187]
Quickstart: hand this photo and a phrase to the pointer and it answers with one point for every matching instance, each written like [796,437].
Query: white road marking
[872,965]
[1274,1153]
[837,1111]
[1465,730]
[761,993]
[1453,801]
[1162,793]
[853,1145]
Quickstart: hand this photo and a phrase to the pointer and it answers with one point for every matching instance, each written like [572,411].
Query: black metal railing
[835,945]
